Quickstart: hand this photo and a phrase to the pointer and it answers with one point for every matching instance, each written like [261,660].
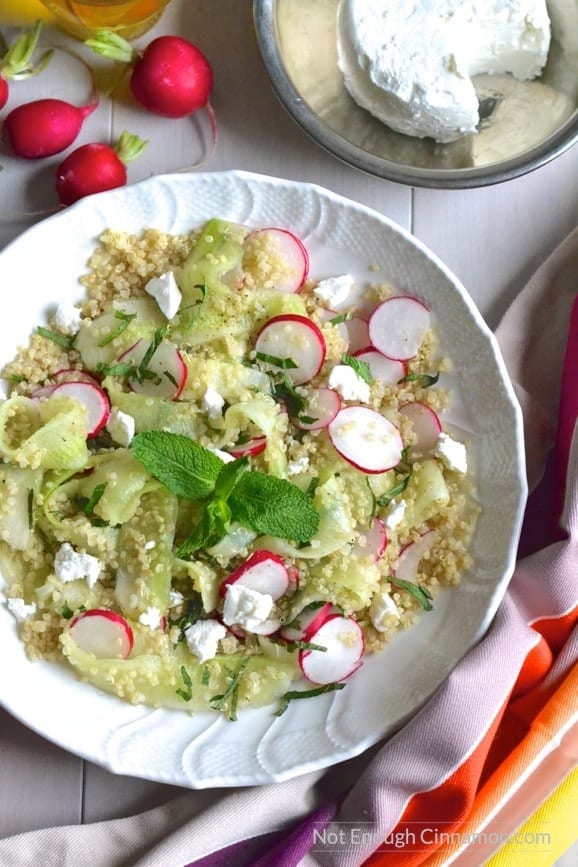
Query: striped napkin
[486,771]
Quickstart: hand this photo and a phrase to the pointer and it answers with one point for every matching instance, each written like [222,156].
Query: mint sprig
[232,492]
[361,368]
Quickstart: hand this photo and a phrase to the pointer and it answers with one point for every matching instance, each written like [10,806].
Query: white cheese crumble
[452,453]
[245,607]
[348,384]
[213,403]
[383,612]
[68,319]
[148,546]
[203,638]
[166,293]
[152,618]
[395,514]
[225,456]
[121,427]
[69,565]
[301,465]
[411,64]
[20,609]
[175,599]
[334,290]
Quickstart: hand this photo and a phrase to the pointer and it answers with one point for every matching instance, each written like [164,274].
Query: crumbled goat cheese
[20,609]
[213,403]
[148,546]
[452,453]
[166,293]
[225,456]
[395,515]
[301,465]
[383,612]
[334,290]
[151,617]
[69,565]
[175,599]
[350,386]
[121,427]
[203,638]
[245,607]
[68,319]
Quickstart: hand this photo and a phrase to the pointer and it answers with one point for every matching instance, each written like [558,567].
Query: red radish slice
[343,638]
[93,398]
[69,374]
[358,331]
[411,555]
[253,447]
[102,632]
[366,439]
[372,542]
[426,427]
[387,370]
[294,337]
[166,364]
[293,575]
[263,572]
[398,326]
[309,620]
[295,255]
[323,406]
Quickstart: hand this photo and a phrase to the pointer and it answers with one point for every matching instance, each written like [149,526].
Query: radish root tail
[208,156]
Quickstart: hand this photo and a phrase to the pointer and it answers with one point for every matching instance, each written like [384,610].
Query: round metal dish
[528,123]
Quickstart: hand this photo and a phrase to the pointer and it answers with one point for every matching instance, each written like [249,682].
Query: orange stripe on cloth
[523,730]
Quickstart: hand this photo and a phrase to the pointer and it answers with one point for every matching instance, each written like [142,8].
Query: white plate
[43,267]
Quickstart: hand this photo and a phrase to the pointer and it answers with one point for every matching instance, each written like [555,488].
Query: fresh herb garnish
[424,379]
[30,508]
[313,606]
[404,467]
[193,608]
[205,675]
[293,695]
[88,504]
[66,612]
[16,377]
[120,368]
[342,317]
[125,320]
[60,339]
[284,391]
[275,361]
[232,491]
[228,700]
[291,646]
[419,591]
[312,486]
[187,693]
[361,368]
[307,419]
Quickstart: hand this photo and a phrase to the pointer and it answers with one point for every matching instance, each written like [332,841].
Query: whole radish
[171,77]
[44,127]
[16,64]
[94,168]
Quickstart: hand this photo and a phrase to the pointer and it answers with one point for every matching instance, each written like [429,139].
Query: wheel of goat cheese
[411,63]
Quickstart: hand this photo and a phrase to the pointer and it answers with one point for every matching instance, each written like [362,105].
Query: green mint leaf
[206,675]
[275,361]
[187,693]
[120,368]
[361,368]
[419,591]
[229,476]
[181,464]
[66,612]
[126,319]
[342,317]
[284,391]
[293,695]
[274,507]
[213,526]
[60,339]
[424,379]
[193,609]
[227,701]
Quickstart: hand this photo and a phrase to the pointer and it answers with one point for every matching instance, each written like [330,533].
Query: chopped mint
[361,368]
[293,695]
[125,320]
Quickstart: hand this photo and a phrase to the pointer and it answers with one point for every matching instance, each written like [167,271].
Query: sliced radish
[293,252]
[372,542]
[103,633]
[252,447]
[323,406]
[366,439]
[69,374]
[263,572]
[168,369]
[293,575]
[307,621]
[358,331]
[297,338]
[426,427]
[93,398]
[344,642]
[398,326]
[387,370]
[411,555]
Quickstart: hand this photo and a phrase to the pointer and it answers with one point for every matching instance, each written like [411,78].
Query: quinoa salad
[224,481]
